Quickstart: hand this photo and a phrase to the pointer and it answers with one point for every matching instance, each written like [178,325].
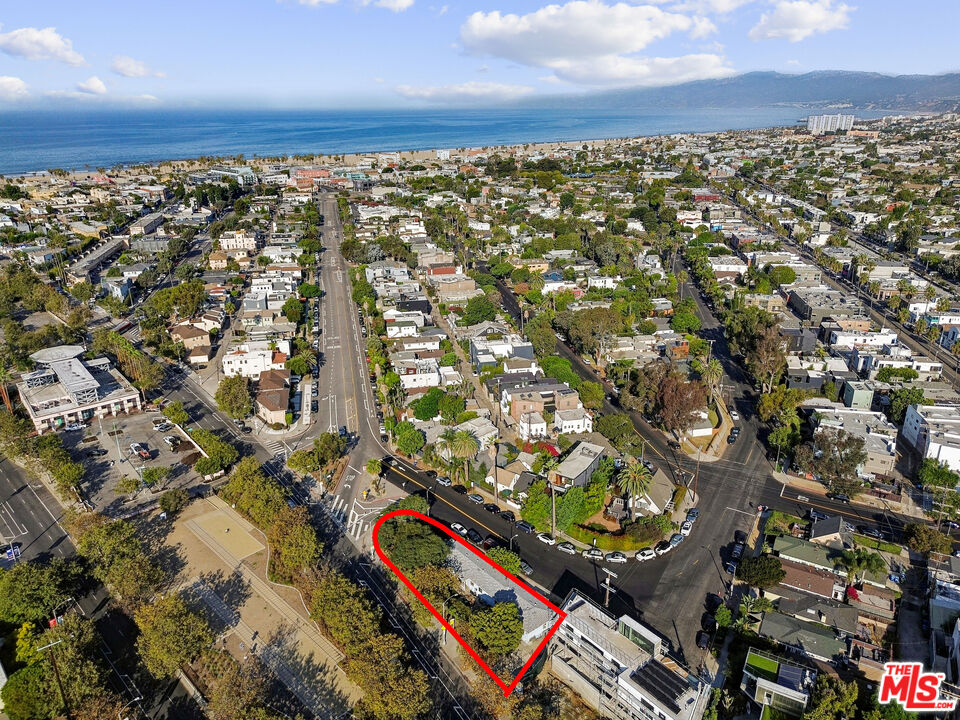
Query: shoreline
[419,152]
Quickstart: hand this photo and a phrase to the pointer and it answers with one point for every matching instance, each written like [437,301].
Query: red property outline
[561,615]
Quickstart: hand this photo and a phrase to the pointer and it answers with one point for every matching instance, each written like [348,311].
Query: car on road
[343,431]
[460,490]
[443,481]
[648,465]
[703,639]
[431,474]
[731,439]
[475,498]
[567,548]
[686,528]
[839,497]
[952,524]
[474,537]
[593,554]
[459,529]
[547,538]
[75,426]
[491,508]
[731,567]
[870,532]
[645,554]
[246,429]
[138,449]
[734,415]
[662,547]
[525,568]
[524,526]
[615,557]
[673,445]
[816,516]
[692,515]
[676,539]
[508,515]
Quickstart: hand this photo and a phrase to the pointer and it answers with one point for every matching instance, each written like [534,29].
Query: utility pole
[607,587]
[553,511]
[56,672]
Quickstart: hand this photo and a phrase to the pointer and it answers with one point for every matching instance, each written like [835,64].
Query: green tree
[479,309]
[171,634]
[233,397]
[499,629]
[28,694]
[506,559]
[409,440]
[173,501]
[427,407]
[175,413]
[412,543]
[723,616]
[922,538]
[842,455]
[293,541]
[833,699]
[761,572]
[153,475]
[591,395]
[392,689]
[293,310]
[634,479]
[860,562]
[29,591]
[901,399]
[374,467]
[344,610]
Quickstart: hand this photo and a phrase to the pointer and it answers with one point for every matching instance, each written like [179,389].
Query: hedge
[607,541]
[865,541]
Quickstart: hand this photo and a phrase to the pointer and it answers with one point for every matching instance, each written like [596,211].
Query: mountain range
[815,90]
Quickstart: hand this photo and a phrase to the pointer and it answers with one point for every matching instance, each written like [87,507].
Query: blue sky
[411,53]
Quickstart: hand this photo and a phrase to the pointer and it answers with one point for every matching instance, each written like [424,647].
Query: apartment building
[619,667]
[934,431]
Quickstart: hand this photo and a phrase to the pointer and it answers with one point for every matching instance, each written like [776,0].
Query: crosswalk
[274,446]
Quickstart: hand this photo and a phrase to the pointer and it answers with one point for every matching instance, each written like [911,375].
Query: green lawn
[864,541]
[762,666]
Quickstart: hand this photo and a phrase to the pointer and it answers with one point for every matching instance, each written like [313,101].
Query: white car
[645,554]
[615,557]
[75,426]
[734,415]
[686,528]
[459,529]
[567,548]
[546,539]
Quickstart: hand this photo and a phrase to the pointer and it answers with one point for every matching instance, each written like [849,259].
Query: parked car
[491,508]
[731,439]
[593,554]
[459,529]
[816,516]
[444,481]
[703,640]
[662,547]
[172,441]
[737,551]
[840,497]
[645,554]
[246,429]
[460,490]
[524,526]
[731,567]
[96,452]
[546,538]
[734,415]
[525,568]
[649,465]
[567,548]
[615,557]
[685,528]
[75,426]
[489,541]
[475,498]
[138,449]
[676,539]
[692,515]
[673,445]
[474,537]
[508,515]
[873,533]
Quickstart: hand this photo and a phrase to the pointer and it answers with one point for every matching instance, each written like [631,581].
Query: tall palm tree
[4,379]
[465,446]
[444,447]
[634,479]
[536,281]
[859,562]
[712,374]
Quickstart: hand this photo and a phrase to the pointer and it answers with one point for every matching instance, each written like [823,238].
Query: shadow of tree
[314,682]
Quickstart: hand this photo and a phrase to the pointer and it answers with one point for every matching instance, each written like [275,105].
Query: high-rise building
[828,123]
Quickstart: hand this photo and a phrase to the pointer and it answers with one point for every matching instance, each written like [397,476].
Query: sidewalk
[811,487]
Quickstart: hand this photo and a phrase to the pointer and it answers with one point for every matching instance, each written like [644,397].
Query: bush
[173,501]
[618,541]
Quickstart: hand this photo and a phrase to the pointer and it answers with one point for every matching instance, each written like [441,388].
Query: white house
[572,421]
[531,425]
[934,430]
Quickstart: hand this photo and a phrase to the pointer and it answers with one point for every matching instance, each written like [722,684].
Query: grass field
[762,666]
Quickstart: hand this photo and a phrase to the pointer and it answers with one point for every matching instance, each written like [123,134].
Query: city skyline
[412,53]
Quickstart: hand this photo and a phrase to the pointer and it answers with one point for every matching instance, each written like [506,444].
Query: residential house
[577,467]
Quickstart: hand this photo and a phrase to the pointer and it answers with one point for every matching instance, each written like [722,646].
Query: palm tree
[4,379]
[635,479]
[712,374]
[444,447]
[465,446]
[860,562]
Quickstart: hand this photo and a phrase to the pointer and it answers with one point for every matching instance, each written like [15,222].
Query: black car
[508,515]
[474,537]
[491,508]
[314,407]
[673,445]
[96,452]
[432,474]
[840,497]
[731,439]
[489,542]
[524,526]
[703,640]
[460,489]
[870,532]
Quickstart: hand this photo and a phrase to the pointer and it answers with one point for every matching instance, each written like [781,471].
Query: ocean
[41,140]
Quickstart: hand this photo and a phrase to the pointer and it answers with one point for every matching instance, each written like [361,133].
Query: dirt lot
[105,471]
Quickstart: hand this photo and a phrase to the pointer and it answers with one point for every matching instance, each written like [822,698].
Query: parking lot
[104,448]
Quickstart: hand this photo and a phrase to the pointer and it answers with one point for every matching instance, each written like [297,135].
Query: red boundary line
[507,689]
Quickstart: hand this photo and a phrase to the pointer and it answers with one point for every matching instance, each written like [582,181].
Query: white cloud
[45,44]
[702,27]
[128,67]
[796,20]
[316,3]
[12,88]
[93,86]
[619,71]
[464,92]
[713,7]
[394,5]
[793,62]
[589,42]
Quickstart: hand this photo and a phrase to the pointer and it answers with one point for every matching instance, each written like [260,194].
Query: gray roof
[812,638]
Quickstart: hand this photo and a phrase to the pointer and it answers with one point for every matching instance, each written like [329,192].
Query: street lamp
[443,614]
[136,699]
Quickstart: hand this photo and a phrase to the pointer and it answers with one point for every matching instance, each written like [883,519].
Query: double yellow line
[417,481]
